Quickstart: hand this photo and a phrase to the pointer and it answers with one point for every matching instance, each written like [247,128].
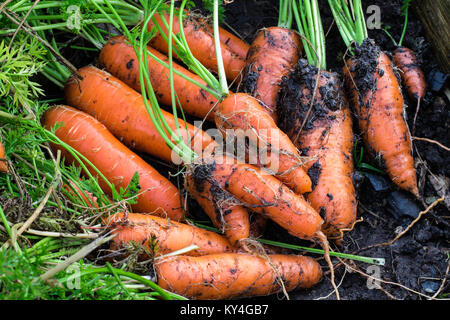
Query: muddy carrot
[376,97]
[236,275]
[272,55]
[161,236]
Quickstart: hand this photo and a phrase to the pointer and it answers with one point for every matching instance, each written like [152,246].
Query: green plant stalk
[310,27]
[220,66]
[285,14]
[162,293]
[377,261]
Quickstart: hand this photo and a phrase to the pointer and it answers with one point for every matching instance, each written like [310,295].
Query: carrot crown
[349,18]
[309,24]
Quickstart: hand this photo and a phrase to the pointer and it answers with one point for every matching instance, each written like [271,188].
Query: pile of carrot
[296,110]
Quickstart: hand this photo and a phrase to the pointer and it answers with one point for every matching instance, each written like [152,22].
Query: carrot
[201,44]
[237,45]
[263,194]
[412,76]
[377,100]
[242,111]
[119,58]
[121,109]
[236,275]
[167,235]
[272,55]
[406,61]
[116,162]
[326,137]
[232,219]
[314,112]
[3,164]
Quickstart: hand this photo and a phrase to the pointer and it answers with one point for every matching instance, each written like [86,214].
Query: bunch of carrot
[291,107]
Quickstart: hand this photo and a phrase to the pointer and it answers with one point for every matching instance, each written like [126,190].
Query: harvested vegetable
[161,236]
[376,97]
[272,55]
[116,162]
[241,111]
[236,275]
[201,43]
[119,58]
[314,112]
[122,110]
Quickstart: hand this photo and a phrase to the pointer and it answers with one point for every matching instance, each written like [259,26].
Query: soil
[416,264]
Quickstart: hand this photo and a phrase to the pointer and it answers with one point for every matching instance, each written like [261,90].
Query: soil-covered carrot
[3,164]
[378,101]
[201,44]
[121,109]
[116,162]
[236,275]
[412,75]
[272,55]
[262,193]
[314,112]
[326,137]
[376,97]
[241,111]
[161,236]
[405,60]
[228,216]
[119,58]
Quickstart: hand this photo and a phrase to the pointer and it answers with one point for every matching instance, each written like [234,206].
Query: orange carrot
[378,101]
[3,164]
[201,44]
[241,111]
[232,219]
[236,275]
[262,193]
[167,235]
[121,109]
[326,137]
[412,76]
[115,161]
[119,58]
[272,55]
[238,46]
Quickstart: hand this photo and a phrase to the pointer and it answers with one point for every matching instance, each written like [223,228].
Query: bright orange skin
[411,74]
[232,219]
[115,161]
[242,111]
[272,55]
[3,165]
[119,58]
[170,235]
[236,275]
[201,44]
[382,123]
[267,195]
[122,110]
